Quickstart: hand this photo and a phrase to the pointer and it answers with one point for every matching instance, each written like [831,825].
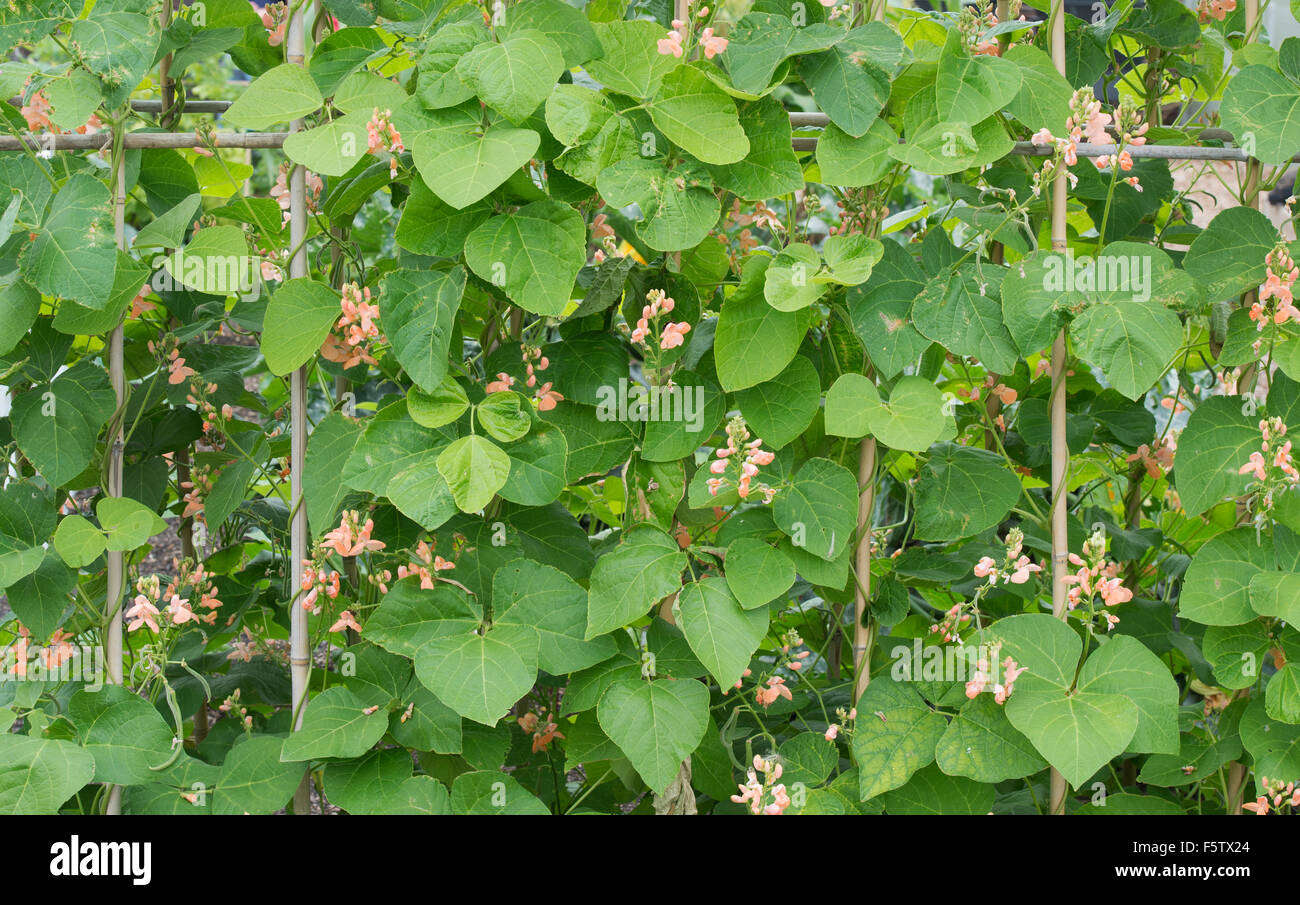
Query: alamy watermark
[1105,273]
[631,401]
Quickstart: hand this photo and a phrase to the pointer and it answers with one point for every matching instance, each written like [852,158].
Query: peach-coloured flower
[345,621]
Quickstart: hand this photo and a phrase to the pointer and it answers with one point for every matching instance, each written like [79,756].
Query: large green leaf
[720,632]
[699,117]
[540,597]
[72,255]
[533,255]
[962,492]
[254,780]
[643,569]
[515,75]
[819,508]
[481,676]
[56,425]
[123,732]
[456,157]
[278,95]
[1217,441]
[631,63]
[37,775]
[475,468]
[760,42]
[981,743]
[299,316]
[335,724]
[754,341]
[419,316]
[1217,586]
[656,724]
[850,82]
[896,735]
[1261,108]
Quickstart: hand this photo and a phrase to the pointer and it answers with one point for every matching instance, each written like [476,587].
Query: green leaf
[168,230]
[26,520]
[720,632]
[848,402]
[780,409]
[931,792]
[430,226]
[475,468]
[1261,108]
[770,168]
[335,724]
[819,508]
[540,597]
[78,542]
[644,568]
[56,426]
[972,87]
[1217,586]
[299,316]
[754,342]
[1275,594]
[1077,731]
[123,732]
[254,780]
[328,448]
[410,617]
[480,676]
[459,160]
[699,117]
[1126,668]
[568,27]
[533,255]
[631,63]
[910,420]
[760,42]
[846,160]
[1282,696]
[41,599]
[678,206]
[331,149]
[419,318]
[962,492]
[1043,99]
[980,743]
[73,255]
[215,261]
[848,81]
[757,572]
[278,95]
[1133,343]
[896,735]
[1217,441]
[807,758]
[537,467]
[1236,651]
[789,283]
[439,407]
[493,792]
[37,775]
[1227,257]
[656,724]
[128,523]
[515,76]
[953,309]
[381,783]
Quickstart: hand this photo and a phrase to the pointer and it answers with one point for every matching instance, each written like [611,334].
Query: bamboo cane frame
[1060,450]
[299,653]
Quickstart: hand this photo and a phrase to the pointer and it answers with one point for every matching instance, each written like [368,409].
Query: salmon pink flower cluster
[544,396]
[767,795]
[1282,273]
[542,728]
[742,455]
[196,490]
[425,565]
[1276,796]
[50,656]
[1272,467]
[1158,461]
[844,724]
[1097,579]
[356,328]
[1088,122]
[154,603]
[1015,567]
[677,41]
[352,537]
[949,627]
[659,304]
[231,705]
[317,580]
[1214,9]
[313,185]
[768,693]
[987,669]
[275,19]
[382,136]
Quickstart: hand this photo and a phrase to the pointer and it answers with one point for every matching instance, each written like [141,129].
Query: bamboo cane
[299,652]
[1250,196]
[113,594]
[1060,450]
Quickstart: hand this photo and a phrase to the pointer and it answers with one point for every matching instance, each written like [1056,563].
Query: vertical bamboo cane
[1060,451]
[299,652]
[863,634]
[1250,195]
[117,376]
